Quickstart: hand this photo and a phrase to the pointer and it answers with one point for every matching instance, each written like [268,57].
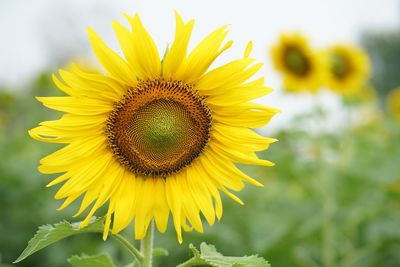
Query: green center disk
[161,129]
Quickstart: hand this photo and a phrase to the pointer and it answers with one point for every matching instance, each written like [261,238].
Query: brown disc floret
[158,127]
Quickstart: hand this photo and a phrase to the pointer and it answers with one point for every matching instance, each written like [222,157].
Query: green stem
[190,262]
[129,246]
[327,189]
[146,247]
[327,252]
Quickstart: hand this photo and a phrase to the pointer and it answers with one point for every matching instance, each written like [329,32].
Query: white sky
[41,34]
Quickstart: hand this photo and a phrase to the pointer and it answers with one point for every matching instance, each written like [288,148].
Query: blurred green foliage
[333,199]
[383,48]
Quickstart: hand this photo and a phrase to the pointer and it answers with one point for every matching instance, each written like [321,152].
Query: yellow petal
[75,151]
[200,193]
[68,201]
[144,56]
[231,96]
[219,173]
[175,202]
[63,87]
[248,115]
[248,49]
[107,223]
[85,177]
[190,207]
[89,198]
[60,179]
[108,185]
[231,168]
[75,123]
[111,61]
[238,156]
[160,208]
[57,135]
[125,198]
[74,105]
[73,160]
[177,53]
[202,56]
[243,139]
[232,196]
[144,209]
[96,85]
[229,75]
[214,191]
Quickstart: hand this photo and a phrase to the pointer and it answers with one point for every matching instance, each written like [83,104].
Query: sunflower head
[348,69]
[393,103]
[150,139]
[301,67]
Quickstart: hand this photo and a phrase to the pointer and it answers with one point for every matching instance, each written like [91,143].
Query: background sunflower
[349,69]
[302,68]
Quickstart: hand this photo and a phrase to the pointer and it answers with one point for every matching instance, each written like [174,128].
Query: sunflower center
[341,66]
[296,61]
[159,127]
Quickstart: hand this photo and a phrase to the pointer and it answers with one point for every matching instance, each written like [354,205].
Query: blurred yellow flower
[393,103]
[153,137]
[349,69]
[301,67]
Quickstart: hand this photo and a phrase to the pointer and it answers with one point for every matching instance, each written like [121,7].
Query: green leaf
[157,252]
[100,260]
[49,234]
[208,255]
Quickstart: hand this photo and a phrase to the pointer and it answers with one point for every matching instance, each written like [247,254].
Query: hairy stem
[136,253]
[146,247]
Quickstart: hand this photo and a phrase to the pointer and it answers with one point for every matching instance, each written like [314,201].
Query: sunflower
[151,137]
[393,103]
[302,68]
[348,69]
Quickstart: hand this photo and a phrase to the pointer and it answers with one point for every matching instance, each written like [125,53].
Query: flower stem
[327,230]
[146,247]
[129,246]
[189,263]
